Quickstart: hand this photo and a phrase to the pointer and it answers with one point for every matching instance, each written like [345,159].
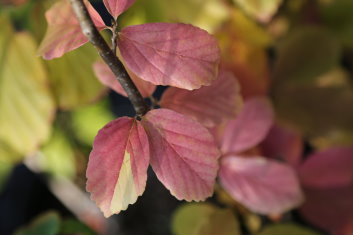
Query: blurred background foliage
[300,53]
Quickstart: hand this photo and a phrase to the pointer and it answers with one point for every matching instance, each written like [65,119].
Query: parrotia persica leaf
[26,105]
[179,55]
[331,168]
[263,185]
[106,76]
[210,105]
[117,167]
[116,7]
[64,32]
[250,127]
[184,155]
[72,85]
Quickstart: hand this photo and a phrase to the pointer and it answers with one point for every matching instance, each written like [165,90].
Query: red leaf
[64,33]
[210,105]
[117,167]
[250,127]
[106,76]
[283,143]
[331,168]
[116,7]
[264,186]
[183,154]
[178,55]
[330,209]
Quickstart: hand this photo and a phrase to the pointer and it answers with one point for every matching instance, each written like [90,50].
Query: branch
[91,32]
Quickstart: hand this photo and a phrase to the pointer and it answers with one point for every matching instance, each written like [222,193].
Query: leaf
[262,10]
[250,127]
[58,157]
[26,105]
[210,105]
[64,32]
[244,52]
[263,185]
[183,154]
[329,209]
[204,219]
[87,120]
[73,226]
[117,167]
[287,229]
[72,86]
[178,55]
[283,143]
[45,224]
[305,54]
[106,77]
[337,16]
[331,168]
[116,7]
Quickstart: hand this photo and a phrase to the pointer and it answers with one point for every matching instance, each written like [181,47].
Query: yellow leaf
[26,105]
[72,78]
[262,10]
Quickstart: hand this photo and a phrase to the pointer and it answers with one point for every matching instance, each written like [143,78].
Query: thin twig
[91,32]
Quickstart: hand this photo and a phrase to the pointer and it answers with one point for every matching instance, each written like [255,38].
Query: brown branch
[91,32]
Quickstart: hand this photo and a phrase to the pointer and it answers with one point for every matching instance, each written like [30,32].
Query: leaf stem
[91,32]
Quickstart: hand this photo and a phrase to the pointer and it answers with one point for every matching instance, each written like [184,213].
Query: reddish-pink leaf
[117,167]
[283,143]
[330,209]
[179,55]
[184,155]
[263,185]
[331,168]
[106,76]
[116,7]
[64,33]
[250,127]
[210,105]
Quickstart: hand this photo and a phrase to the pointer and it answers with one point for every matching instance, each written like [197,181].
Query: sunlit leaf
[179,55]
[183,154]
[117,167]
[210,105]
[64,33]
[58,157]
[287,229]
[72,78]
[26,105]
[87,120]
[116,7]
[263,185]
[45,224]
[243,45]
[262,10]
[106,77]
[250,127]
[204,219]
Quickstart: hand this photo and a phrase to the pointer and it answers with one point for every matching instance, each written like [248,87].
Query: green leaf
[305,54]
[45,224]
[87,121]
[72,78]
[206,14]
[204,219]
[58,157]
[73,226]
[338,17]
[26,105]
[287,229]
